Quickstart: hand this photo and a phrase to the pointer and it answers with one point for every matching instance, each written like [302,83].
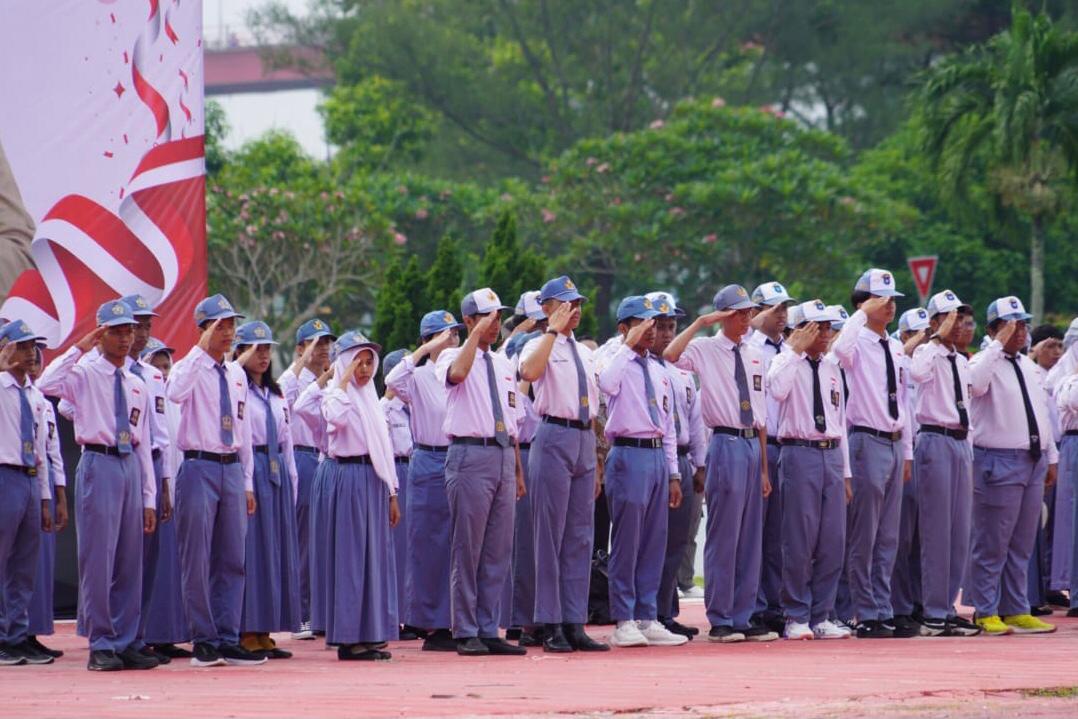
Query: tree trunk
[1036,269]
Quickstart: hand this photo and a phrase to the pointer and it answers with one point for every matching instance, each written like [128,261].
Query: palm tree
[1006,113]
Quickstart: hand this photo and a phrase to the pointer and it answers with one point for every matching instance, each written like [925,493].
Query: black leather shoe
[134,659]
[555,641]
[512,634]
[580,641]
[905,627]
[104,660]
[1042,611]
[472,647]
[54,653]
[361,653]
[440,640]
[31,654]
[498,646]
[406,635]
[872,629]
[171,651]
[277,653]
[675,627]
[409,629]
[532,636]
[148,651]
[1072,612]
[1057,599]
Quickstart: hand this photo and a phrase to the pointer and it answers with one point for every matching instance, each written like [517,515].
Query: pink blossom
[399,238]
[603,167]
[545,179]
[711,239]
[278,235]
[251,229]
[657,125]
[324,195]
[402,190]
[590,162]
[616,201]
[505,197]
[637,257]
[677,211]
[273,192]
[339,195]
[242,198]
[718,102]
[669,197]
[548,216]
[289,195]
[422,213]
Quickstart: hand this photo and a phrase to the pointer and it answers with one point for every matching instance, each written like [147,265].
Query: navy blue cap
[352,339]
[212,308]
[437,321]
[254,332]
[140,306]
[313,329]
[114,313]
[560,288]
[391,360]
[19,331]
[153,346]
[636,306]
[733,297]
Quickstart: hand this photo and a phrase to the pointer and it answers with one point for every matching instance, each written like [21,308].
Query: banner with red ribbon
[103,129]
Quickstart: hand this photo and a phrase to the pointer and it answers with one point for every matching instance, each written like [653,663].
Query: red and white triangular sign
[923,270]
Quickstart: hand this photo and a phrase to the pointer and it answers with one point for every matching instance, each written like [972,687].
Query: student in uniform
[164,622]
[562,375]
[271,563]
[807,387]
[1013,458]
[691,454]
[642,477]
[313,342]
[116,490]
[400,434]
[482,475]
[418,386]
[25,506]
[768,326]
[360,507]
[881,449]
[1066,397]
[733,404]
[41,603]
[942,467]
[215,485]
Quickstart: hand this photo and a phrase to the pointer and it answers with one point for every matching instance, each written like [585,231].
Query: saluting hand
[6,352]
[484,325]
[1008,330]
[714,318]
[562,317]
[758,319]
[350,372]
[248,353]
[875,306]
[207,335]
[636,335]
[325,377]
[87,343]
[948,325]
[915,341]
[803,337]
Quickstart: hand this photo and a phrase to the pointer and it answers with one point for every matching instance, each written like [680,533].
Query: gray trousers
[872,532]
[20,541]
[1008,488]
[906,577]
[770,595]
[943,470]
[678,524]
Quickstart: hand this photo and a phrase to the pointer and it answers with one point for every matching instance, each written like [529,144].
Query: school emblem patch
[886,279]
[569,284]
[647,303]
[447,318]
[260,332]
[117,308]
[758,382]
[141,303]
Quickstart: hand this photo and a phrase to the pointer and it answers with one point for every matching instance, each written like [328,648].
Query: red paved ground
[963,677]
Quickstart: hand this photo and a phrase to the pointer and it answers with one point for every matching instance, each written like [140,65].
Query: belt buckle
[31,471]
[823,444]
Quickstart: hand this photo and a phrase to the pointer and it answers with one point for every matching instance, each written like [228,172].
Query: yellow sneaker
[993,626]
[1028,624]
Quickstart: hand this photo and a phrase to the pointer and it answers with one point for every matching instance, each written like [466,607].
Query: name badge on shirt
[835,398]
[758,382]
[52,430]
[666,403]
[239,409]
[688,395]
[159,405]
[513,399]
[135,413]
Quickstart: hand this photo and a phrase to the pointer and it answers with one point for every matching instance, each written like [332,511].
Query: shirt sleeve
[400,378]
[846,346]
[690,358]
[246,444]
[185,373]
[337,408]
[52,439]
[289,455]
[697,433]
[924,357]
[611,376]
[782,374]
[144,450]
[983,366]
[63,378]
[670,427]
[1067,394]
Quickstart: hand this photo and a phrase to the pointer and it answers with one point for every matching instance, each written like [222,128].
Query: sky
[251,114]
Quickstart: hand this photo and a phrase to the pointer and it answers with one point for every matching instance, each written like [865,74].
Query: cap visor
[116,322]
[566,296]
[145,313]
[537,316]
[887,293]
[742,305]
[1019,316]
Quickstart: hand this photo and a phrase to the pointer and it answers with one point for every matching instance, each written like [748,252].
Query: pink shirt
[469,411]
[529,419]
[307,420]
[712,359]
[859,352]
[997,412]
[194,385]
[89,387]
[627,414]
[303,433]
[400,431]
[344,428]
[52,444]
[1067,401]
[257,419]
[11,432]
[768,352]
[931,370]
[425,395]
[162,437]
[692,432]
[791,384]
[557,389]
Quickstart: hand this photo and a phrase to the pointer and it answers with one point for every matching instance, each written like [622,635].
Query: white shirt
[557,388]
[281,417]
[623,383]
[425,394]
[712,359]
[689,416]
[931,370]
[400,431]
[469,409]
[768,352]
[11,424]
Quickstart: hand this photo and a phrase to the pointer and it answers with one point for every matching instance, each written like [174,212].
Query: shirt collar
[726,342]
[8,380]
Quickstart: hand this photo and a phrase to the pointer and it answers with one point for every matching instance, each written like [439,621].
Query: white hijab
[372,420]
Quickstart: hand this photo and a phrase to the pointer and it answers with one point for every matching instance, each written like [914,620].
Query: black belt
[774,440]
[155,454]
[103,449]
[524,445]
[574,423]
[264,448]
[813,443]
[889,436]
[403,459]
[358,459]
[647,443]
[742,432]
[432,447]
[305,448]
[683,450]
[1071,433]
[21,468]
[960,434]
[476,441]
[230,458]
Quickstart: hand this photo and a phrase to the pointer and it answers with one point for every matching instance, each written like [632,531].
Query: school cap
[352,339]
[391,360]
[254,332]
[516,343]
[733,297]
[313,329]
[880,283]
[842,315]
[140,306]
[636,306]
[1007,308]
[944,302]
[481,302]
[18,331]
[913,320]
[771,294]
[213,308]
[665,304]
[816,311]
[560,288]
[153,346]
[115,313]
[437,321]
[528,306]
[794,317]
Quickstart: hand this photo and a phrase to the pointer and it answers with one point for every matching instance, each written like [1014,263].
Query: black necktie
[1031,419]
[963,415]
[892,381]
[773,343]
[845,387]
[817,397]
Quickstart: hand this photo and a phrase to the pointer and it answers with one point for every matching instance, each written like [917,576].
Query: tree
[443,288]
[509,268]
[394,315]
[1007,112]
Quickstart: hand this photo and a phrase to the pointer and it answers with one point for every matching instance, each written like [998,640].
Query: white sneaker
[304,632]
[628,635]
[659,636]
[829,630]
[797,630]
[692,592]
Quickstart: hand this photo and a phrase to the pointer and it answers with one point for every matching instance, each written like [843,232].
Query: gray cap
[733,297]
